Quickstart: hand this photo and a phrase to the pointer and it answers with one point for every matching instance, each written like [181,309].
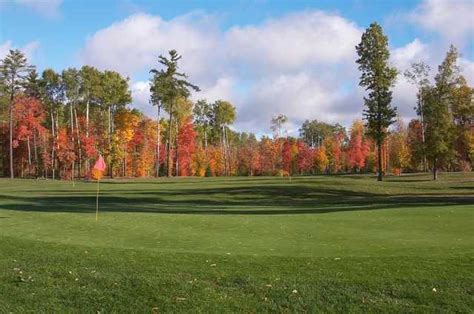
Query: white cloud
[29,49]
[404,93]
[467,67]
[47,8]
[134,44]
[301,64]
[404,97]
[412,52]
[141,95]
[274,57]
[221,89]
[295,41]
[5,48]
[300,96]
[453,19]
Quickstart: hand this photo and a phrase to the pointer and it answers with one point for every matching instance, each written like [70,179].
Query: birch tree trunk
[53,146]
[87,133]
[35,152]
[71,121]
[170,140]
[177,154]
[158,140]
[10,118]
[29,156]
[78,143]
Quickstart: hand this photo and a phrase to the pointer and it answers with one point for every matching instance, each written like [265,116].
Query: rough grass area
[332,243]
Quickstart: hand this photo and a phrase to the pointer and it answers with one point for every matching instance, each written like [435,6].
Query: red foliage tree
[28,114]
[305,158]
[186,147]
[286,156]
[358,147]
[65,153]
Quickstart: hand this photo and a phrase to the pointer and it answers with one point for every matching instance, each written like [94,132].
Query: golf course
[343,243]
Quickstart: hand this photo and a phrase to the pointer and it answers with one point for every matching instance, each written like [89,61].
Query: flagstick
[97,172]
[97,202]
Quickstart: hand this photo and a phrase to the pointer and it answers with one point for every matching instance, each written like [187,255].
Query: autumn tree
[168,85]
[28,114]
[287,155]
[415,144]
[399,153]
[223,115]
[277,125]
[248,155]
[358,147]
[270,155]
[143,148]
[305,157]
[315,132]
[126,122]
[182,114]
[91,93]
[333,151]
[438,117]
[203,117]
[418,75]
[53,94]
[115,96]
[72,84]
[321,160]
[66,154]
[377,77]
[186,147]
[462,108]
[155,100]
[14,69]
[215,161]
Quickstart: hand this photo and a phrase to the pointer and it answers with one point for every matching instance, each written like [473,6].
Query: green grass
[331,243]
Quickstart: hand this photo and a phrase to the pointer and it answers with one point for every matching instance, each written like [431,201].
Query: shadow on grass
[238,200]
[462,187]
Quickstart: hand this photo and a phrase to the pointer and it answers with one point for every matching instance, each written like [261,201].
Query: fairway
[332,243]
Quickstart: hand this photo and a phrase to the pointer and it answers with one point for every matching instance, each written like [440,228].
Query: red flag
[100,164]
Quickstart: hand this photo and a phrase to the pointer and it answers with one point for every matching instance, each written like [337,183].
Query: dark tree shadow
[255,199]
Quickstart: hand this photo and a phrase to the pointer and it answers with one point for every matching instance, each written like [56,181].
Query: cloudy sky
[267,57]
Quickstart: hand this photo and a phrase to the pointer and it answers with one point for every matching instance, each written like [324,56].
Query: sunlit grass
[238,244]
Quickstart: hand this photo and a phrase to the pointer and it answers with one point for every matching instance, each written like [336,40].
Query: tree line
[54,124]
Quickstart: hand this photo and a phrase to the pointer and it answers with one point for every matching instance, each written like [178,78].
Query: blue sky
[267,57]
